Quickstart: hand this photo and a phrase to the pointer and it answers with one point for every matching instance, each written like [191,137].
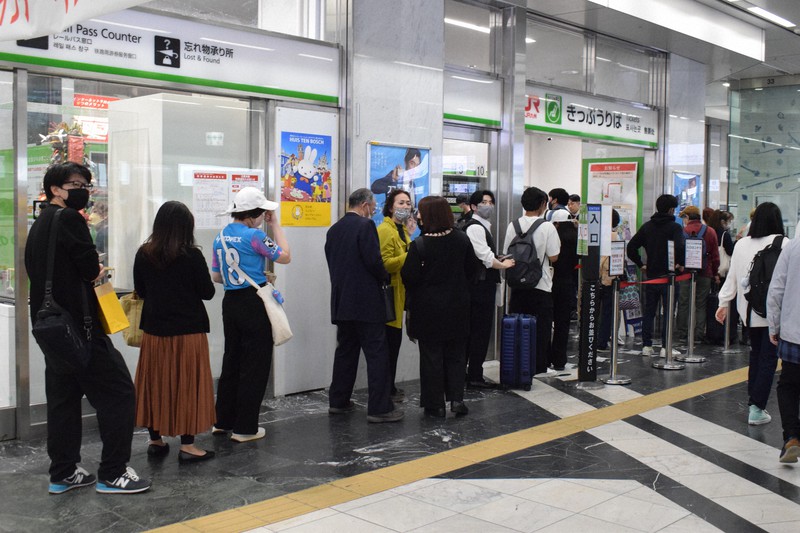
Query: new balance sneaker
[128,483]
[647,351]
[242,437]
[79,478]
[790,451]
[758,416]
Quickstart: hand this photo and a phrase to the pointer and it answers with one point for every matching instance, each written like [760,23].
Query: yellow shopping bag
[132,305]
[112,317]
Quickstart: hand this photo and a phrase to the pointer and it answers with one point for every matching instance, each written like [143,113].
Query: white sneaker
[647,351]
[663,352]
[239,437]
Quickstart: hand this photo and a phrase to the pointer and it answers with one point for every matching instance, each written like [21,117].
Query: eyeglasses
[79,185]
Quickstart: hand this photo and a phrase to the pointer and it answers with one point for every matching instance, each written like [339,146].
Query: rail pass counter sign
[563,113]
[306,179]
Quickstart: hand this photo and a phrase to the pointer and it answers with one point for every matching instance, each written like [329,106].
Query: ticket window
[465,169]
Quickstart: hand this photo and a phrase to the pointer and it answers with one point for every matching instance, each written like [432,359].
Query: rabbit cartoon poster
[398,167]
[306,179]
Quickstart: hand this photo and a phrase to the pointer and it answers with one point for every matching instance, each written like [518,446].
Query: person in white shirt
[483,291]
[537,301]
[767,224]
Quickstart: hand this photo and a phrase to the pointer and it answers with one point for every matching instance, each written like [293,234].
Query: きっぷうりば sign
[560,112]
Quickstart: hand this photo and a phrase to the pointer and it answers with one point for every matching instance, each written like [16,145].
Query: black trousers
[789,399]
[441,372]
[246,362]
[481,319]
[107,385]
[394,338]
[539,304]
[351,338]
[562,295]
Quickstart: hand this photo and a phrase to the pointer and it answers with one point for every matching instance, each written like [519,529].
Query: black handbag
[61,341]
[388,300]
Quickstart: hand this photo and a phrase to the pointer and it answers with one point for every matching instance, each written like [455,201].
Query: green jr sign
[552,108]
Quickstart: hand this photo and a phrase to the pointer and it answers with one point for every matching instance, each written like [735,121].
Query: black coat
[173,296]
[356,269]
[438,292]
[76,263]
[653,236]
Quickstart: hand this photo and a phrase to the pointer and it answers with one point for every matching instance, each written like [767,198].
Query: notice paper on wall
[213,189]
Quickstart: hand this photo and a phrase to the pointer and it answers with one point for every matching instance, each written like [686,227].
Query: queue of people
[446,283]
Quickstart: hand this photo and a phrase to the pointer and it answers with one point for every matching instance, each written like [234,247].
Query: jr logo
[533,102]
[552,108]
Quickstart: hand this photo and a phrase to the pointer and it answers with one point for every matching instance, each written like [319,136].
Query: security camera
[549,138]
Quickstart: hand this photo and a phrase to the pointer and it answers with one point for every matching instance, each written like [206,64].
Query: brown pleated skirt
[174,388]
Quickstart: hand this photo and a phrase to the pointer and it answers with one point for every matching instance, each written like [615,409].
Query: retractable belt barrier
[654,281]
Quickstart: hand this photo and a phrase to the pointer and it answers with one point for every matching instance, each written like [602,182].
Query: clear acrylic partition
[142,145]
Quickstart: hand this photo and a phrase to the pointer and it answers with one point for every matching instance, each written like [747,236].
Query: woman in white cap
[248,334]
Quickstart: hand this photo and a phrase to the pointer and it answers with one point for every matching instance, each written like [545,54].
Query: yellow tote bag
[132,305]
[112,317]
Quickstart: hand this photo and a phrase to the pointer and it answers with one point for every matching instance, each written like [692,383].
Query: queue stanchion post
[690,357]
[669,363]
[727,346]
[613,378]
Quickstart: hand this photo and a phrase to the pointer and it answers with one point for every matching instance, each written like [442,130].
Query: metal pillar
[613,378]
[669,363]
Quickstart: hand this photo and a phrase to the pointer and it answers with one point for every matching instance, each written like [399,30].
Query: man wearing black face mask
[105,380]
[483,291]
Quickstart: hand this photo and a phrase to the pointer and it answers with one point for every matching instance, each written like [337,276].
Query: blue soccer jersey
[250,247]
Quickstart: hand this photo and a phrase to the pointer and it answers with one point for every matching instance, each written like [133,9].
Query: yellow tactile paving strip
[351,488]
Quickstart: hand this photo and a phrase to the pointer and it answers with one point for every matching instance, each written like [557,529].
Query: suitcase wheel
[526,388]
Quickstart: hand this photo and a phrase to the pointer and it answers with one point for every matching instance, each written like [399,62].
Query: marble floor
[556,458]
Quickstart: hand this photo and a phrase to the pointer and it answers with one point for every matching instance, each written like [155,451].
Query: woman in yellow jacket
[394,237]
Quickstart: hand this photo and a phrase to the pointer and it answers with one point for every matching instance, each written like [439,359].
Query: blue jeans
[763,362]
[652,295]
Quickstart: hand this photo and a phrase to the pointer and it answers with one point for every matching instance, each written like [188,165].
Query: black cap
[462,199]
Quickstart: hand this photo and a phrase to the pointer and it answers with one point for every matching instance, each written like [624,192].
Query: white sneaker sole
[791,455]
[102,488]
[759,422]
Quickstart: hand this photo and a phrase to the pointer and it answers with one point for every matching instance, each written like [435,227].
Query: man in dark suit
[358,310]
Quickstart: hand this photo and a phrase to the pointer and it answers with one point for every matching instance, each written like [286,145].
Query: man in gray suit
[358,309]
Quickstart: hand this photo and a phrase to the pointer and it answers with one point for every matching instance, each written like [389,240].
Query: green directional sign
[553,108]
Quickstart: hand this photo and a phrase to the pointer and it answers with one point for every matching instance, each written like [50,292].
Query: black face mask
[77,198]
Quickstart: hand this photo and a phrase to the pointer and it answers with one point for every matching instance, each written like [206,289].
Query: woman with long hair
[248,333]
[721,221]
[174,389]
[394,237]
[437,274]
[767,224]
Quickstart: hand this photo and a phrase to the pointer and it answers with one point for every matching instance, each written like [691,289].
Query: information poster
[616,183]
[306,179]
[686,189]
[213,189]
[398,167]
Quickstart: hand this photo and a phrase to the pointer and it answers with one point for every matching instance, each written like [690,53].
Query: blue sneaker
[128,483]
[757,417]
[79,478]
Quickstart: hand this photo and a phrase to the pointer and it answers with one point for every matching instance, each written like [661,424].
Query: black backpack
[527,269]
[760,274]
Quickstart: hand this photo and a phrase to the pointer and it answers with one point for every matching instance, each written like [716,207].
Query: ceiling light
[726,84]
[772,17]
[467,25]
[528,40]
[470,79]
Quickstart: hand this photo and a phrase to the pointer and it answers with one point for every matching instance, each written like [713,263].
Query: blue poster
[686,189]
[398,167]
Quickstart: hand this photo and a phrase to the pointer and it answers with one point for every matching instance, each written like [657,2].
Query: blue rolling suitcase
[518,351]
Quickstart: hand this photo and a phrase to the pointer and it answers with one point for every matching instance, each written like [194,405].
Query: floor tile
[719,485]
[519,514]
[762,508]
[636,514]
[401,513]
[456,495]
[506,486]
[338,523]
[690,524]
[584,524]
[566,495]
[462,524]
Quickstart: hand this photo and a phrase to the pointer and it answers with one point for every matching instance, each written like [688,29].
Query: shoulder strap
[234,265]
[420,242]
[518,228]
[48,284]
[536,223]
[702,231]
[777,242]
